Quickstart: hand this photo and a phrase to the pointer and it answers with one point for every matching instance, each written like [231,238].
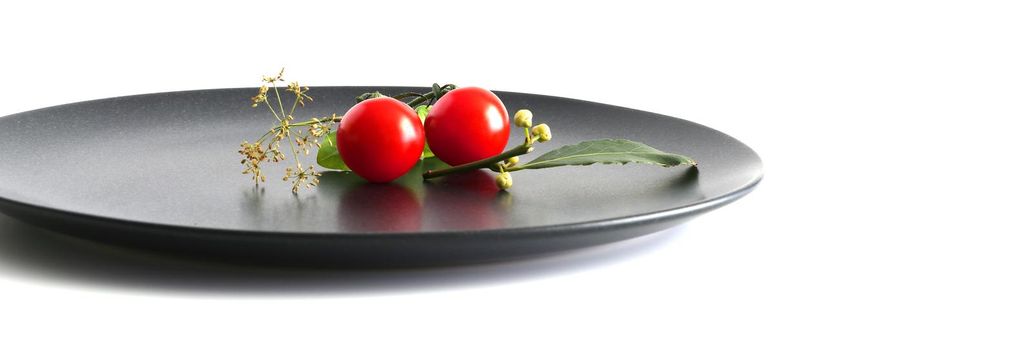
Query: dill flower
[261,97]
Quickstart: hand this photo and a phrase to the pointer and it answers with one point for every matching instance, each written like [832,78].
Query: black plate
[161,171]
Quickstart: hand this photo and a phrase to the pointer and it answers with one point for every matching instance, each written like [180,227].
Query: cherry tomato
[380,139]
[467,124]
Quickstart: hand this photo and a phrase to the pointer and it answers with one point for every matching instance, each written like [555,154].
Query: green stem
[406,95]
[310,122]
[272,111]
[290,142]
[419,99]
[305,123]
[296,100]
[279,101]
[522,149]
[267,133]
[432,95]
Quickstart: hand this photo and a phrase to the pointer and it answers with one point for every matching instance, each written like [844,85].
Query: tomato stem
[480,164]
[436,92]
[490,163]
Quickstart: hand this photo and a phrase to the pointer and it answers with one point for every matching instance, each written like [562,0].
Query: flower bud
[504,181]
[512,161]
[523,118]
[543,132]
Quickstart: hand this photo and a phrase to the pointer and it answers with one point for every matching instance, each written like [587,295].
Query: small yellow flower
[543,132]
[523,118]
[504,181]
[260,97]
[272,80]
[294,87]
[299,91]
[301,177]
[252,152]
[277,155]
[511,161]
[318,129]
[254,155]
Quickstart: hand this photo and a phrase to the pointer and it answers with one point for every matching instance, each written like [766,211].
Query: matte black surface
[161,171]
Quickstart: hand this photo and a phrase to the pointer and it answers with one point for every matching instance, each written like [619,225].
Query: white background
[893,214]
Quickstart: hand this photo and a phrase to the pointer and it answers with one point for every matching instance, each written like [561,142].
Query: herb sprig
[267,148]
[318,133]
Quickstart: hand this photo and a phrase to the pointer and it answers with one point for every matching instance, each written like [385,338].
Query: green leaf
[422,111]
[607,151]
[328,156]
[427,152]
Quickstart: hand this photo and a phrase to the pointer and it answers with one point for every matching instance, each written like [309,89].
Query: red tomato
[467,124]
[380,139]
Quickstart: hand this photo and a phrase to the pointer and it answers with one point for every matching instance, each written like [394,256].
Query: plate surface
[161,171]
